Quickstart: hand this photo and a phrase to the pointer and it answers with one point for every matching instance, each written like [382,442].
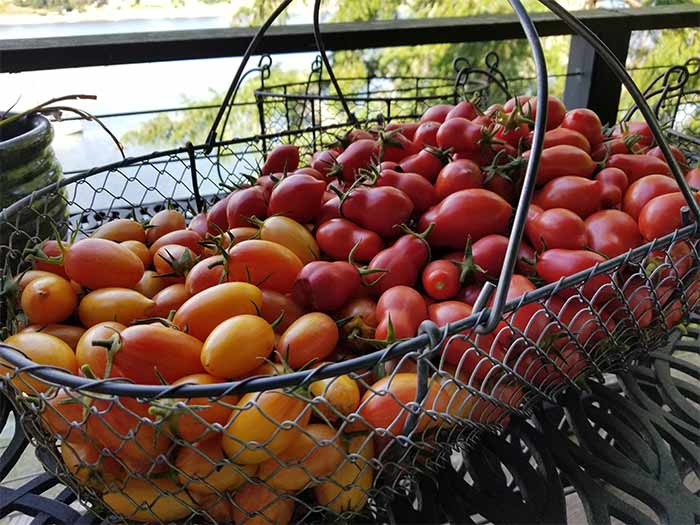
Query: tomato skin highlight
[98,263]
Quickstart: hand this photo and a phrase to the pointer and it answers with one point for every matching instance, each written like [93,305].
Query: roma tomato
[244,204]
[151,283]
[330,209]
[140,250]
[120,230]
[693,178]
[264,263]
[612,233]
[400,264]
[256,504]
[200,225]
[326,286]
[43,349]
[324,161]
[638,166]
[554,264]
[394,147]
[205,274]
[49,299]
[340,396]
[217,216]
[274,305]
[201,313]
[407,129]
[643,190]
[662,215]
[578,194]
[69,334]
[98,263]
[358,155]
[556,228]
[677,154]
[95,356]
[165,221]
[441,279]
[464,109]
[298,197]
[615,185]
[291,235]
[426,134]
[148,500]
[468,213]
[338,237]
[312,337]
[170,299]
[489,253]
[556,111]
[586,122]
[564,136]
[114,304]
[252,338]
[427,163]
[460,134]
[638,130]
[317,453]
[362,321]
[418,189]
[362,204]
[282,159]
[264,425]
[204,469]
[61,412]
[85,461]
[174,260]
[561,161]
[188,238]
[402,308]
[51,250]
[437,113]
[460,174]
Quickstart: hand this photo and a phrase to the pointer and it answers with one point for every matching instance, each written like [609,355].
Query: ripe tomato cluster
[305,265]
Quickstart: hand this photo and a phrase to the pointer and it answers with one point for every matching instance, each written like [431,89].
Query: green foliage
[59,5]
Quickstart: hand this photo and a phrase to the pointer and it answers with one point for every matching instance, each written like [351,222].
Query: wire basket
[335,441]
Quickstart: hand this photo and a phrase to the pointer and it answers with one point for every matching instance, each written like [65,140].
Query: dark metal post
[590,83]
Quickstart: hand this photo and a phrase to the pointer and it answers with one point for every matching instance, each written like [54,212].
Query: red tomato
[358,155]
[51,248]
[310,171]
[662,215]
[395,147]
[199,224]
[693,178]
[298,197]
[98,263]
[187,238]
[330,209]
[512,134]
[282,159]
[556,228]
[638,166]
[556,111]
[473,212]
[324,161]
[338,237]
[458,175]
[615,184]
[165,221]
[612,233]
[217,216]
[205,274]
[586,122]
[640,301]
[246,203]
[470,293]
[441,279]
[579,320]
[265,264]
[418,189]
[401,263]
[170,299]
[464,109]
[437,113]
[511,104]
[578,194]
[489,253]
[407,129]
[677,260]
[275,304]
[460,134]
[324,286]
[560,161]
[174,261]
[554,264]
[564,136]
[678,154]
[427,163]
[502,187]
[406,309]
[643,190]
[363,204]
[638,129]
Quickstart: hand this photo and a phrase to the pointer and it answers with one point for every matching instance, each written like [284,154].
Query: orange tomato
[69,334]
[169,299]
[140,250]
[61,411]
[150,284]
[27,277]
[340,396]
[48,300]
[237,346]
[93,355]
[114,304]
[120,230]
[265,264]
[174,260]
[155,500]
[291,235]
[201,313]
[274,304]
[187,238]
[84,460]
[312,336]
[203,468]
[43,349]
[258,505]
[165,221]
[98,263]
[318,452]
[254,432]
[205,274]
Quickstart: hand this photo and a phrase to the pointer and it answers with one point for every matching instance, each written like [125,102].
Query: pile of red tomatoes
[304,265]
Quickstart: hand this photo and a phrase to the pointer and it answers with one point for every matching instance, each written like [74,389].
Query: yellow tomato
[27,277]
[150,500]
[69,334]
[341,395]
[311,337]
[237,346]
[203,312]
[121,230]
[291,235]
[316,453]
[114,304]
[348,485]
[49,299]
[259,419]
[258,505]
[150,284]
[203,468]
[43,349]
[141,251]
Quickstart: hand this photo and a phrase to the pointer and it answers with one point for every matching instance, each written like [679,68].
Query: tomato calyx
[423,236]
[443,155]
[364,270]
[180,265]
[467,267]
[112,346]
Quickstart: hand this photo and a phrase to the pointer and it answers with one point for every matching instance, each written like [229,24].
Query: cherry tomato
[48,300]
[441,279]
[677,153]
[51,249]
[42,349]
[426,134]
[201,313]
[338,237]
[120,230]
[554,264]
[402,308]
[458,175]
[418,189]
[560,161]
[298,197]
[149,500]
[638,166]
[362,205]
[264,425]
[150,284]
[188,238]
[556,228]
[394,147]
[205,274]
[662,215]
[140,250]
[427,163]
[252,338]
[407,129]
[170,299]
[97,263]
[464,109]
[326,286]
[586,122]
[165,221]
[612,233]
[324,161]
[114,304]
[292,235]
[264,263]
[69,334]
[312,337]
[256,504]
[437,113]
[244,204]
[204,469]
[282,159]
[564,136]
[471,213]
[578,194]
[95,356]
[645,189]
